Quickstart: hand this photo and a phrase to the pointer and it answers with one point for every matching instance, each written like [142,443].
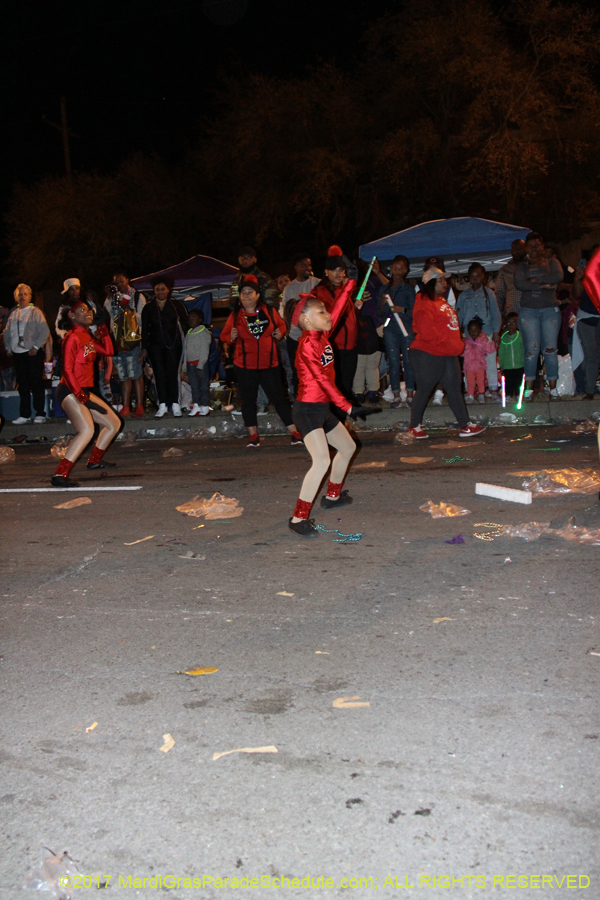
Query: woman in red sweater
[434,355]
[255,329]
[344,334]
[312,413]
[74,393]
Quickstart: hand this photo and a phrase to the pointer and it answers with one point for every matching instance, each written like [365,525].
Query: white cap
[432,273]
[70,282]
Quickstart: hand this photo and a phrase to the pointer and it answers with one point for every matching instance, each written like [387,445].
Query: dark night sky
[140,74]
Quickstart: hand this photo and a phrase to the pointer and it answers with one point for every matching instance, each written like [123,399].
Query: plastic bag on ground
[590,426]
[172,452]
[561,481]
[218,507]
[47,877]
[442,510]
[60,447]
[7,454]
[529,531]
[566,382]
[405,438]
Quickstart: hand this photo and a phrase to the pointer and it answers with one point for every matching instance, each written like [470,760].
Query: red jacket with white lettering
[345,333]
[255,346]
[436,326]
[79,351]
[314,359]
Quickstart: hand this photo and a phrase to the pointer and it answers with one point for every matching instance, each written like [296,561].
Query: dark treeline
[453,108]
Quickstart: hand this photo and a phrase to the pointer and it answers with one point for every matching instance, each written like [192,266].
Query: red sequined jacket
[79,351]
[314,359]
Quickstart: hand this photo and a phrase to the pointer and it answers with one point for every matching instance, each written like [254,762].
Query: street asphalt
[468,769]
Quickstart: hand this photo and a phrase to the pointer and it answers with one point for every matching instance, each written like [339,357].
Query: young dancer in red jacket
[312,413]
[74,393]
[434,355]
[255,330]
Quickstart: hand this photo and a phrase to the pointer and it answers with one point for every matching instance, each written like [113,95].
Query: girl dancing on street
[74,393]
[311,411]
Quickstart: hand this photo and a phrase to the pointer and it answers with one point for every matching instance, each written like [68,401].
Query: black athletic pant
[30,373]
[292,347]
[248,381]
[165,365]
[430,371]
[513,378]
[345,369]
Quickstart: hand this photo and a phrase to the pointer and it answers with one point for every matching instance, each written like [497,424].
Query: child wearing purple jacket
[477,347]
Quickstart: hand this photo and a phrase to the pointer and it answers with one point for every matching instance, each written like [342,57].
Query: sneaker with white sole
[418,433]
[176,409]
[437,398]
[39,420]
[481,398]
[195,410]
[528,394]
[469,398]
[554,395]
[204,410]
[470,430]
[21,421]
[161,411]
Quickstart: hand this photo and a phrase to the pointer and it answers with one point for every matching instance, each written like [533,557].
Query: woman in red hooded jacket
[74,393]
[434,355]
[255,329]
[344,334]
[312,414]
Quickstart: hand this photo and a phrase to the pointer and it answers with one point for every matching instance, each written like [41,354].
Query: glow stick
[397,317]
[503,391]
[521,392]
[367,276]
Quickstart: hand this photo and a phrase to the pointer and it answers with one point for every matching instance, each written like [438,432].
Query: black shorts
[63,391]
[310,416]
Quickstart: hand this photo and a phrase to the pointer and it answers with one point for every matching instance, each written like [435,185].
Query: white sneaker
[39,420]
[161,411]
[176,409]
[469,398]
[528,394]
[195,410]
[262,412]
[481,398]
[554,395]
[20,421]
[204,410]
[437,398]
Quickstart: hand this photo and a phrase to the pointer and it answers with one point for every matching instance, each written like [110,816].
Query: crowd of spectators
[522,322]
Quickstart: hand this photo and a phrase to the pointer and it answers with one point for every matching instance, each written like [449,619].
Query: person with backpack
[124,306]
[254,328]
[479,302]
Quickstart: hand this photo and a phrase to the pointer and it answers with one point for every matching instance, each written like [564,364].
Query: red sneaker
[254,442]
[297,439]
[418,433]
[125,412]
[470,430]
[138,411]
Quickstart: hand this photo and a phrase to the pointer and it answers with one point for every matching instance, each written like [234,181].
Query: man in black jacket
[247,263]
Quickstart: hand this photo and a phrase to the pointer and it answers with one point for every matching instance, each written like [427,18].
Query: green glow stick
[521,392]
[367,276]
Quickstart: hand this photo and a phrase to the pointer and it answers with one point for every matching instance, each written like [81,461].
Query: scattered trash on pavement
[455,459]
[371,465]
[442,619]
[71,504]
[7,454]
[525,438]
[457,539]
[140,541]
[560,481]
[54,871]
[348,703]
[191,555]
[270,749]
[343,538]
[169,743]
[501,493]
[531,531]
[203,670]
[172,452]
[450,445]
[60,447]
[590,426]
[441,510]
[416,460]
[284,594]
[403,437]
[218,507]
[91,727]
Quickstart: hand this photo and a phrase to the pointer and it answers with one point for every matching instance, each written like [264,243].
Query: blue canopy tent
[459,242]
[197,281]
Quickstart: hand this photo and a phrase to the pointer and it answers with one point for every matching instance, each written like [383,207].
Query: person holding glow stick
[511,355]
[345,331]
[396,302]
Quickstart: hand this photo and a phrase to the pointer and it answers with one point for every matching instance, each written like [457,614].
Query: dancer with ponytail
[312,414]
[74,393]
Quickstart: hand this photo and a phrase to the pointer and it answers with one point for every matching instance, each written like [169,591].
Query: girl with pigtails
[312,415]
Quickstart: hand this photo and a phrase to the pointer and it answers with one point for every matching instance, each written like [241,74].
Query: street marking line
[53,490]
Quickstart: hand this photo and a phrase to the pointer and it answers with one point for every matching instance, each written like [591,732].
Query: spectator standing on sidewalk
[196,356]
[247,261]
[478,301]
[125,306]
[164,322]
[303,283]
[396,344]
[25,335]
[508,297]
[539,315]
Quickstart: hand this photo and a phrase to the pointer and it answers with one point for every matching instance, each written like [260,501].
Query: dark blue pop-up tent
[200,278]
[459,241]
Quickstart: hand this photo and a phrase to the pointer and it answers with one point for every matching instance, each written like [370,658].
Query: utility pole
[65,137]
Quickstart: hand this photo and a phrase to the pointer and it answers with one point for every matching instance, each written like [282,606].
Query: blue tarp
[459,241]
